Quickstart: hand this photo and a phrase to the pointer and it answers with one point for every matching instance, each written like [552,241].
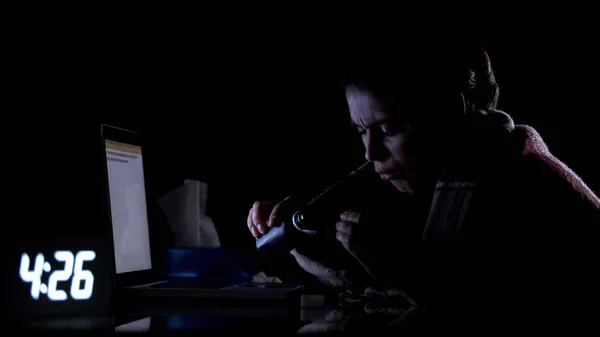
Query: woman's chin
[402,185]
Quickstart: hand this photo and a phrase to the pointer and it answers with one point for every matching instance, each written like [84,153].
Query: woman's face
[398,150]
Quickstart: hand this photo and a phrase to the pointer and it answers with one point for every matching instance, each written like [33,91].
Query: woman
[489,201]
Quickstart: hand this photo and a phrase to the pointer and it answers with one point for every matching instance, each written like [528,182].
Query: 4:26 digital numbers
[82,280]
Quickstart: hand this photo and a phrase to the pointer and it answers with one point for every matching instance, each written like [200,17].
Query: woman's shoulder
[537,168]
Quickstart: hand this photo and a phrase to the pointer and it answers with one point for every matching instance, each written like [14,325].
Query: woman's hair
[423,75]
[481,90]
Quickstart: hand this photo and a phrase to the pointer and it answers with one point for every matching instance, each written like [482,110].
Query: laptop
[134,270]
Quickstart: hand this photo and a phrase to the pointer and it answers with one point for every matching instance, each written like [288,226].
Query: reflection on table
[342,317]
[138,326]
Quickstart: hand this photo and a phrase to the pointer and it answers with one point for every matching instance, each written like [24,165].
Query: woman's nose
[374,149]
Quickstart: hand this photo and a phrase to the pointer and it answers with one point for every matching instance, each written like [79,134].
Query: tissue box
[211,265]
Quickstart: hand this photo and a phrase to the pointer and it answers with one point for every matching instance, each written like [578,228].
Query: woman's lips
[389,175]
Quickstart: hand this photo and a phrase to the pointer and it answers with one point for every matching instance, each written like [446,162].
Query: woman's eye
[388,131]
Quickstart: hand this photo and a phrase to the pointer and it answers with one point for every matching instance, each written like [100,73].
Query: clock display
[59,277]
[81,280]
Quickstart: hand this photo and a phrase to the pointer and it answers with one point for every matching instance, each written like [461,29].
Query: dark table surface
[332,316]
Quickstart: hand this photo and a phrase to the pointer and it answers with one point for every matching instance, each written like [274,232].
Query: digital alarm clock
[71,270]
[61,277]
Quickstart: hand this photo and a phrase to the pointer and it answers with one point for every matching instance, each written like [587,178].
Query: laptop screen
[128,207]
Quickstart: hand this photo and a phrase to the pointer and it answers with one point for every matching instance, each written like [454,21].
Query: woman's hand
[265,215]
[362,240]
[350,232]
[353,233]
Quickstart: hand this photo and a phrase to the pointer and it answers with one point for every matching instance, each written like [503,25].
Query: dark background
[251,119]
